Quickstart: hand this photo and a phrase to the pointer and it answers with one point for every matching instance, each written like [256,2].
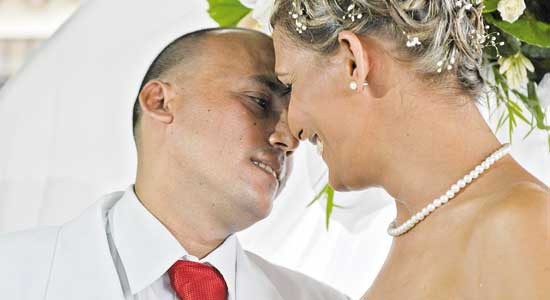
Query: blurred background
[24,24]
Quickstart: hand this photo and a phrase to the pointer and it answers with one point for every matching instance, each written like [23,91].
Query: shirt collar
[224,258]
[147,249]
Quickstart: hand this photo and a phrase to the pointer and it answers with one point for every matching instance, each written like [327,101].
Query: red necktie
[196,281]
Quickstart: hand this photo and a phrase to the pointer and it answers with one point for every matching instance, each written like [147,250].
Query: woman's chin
[337,183]
[345,184]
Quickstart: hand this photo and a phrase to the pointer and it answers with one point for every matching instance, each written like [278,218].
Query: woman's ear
[153,100]
[357,63]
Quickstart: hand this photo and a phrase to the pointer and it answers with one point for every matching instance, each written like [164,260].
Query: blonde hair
[450,34]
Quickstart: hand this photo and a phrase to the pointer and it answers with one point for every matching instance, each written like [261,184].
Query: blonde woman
[387,91]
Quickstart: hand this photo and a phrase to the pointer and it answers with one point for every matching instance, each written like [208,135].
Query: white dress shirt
[117,250]
[144,250]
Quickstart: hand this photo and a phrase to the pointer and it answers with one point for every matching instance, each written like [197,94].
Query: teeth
[267,168]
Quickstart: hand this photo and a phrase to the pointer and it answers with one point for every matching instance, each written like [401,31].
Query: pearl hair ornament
[355,12]
[395,230]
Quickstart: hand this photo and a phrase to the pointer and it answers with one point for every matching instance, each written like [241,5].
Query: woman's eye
[288,89]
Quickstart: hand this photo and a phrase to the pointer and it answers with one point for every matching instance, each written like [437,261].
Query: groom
[214,150]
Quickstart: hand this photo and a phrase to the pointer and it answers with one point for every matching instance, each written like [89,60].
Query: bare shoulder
[518,217]
[511,242]
[523,205]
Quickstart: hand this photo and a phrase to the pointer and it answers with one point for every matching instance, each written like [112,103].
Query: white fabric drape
[66,117]
[65,130]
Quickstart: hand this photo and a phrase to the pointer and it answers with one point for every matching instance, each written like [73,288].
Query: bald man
[214,150]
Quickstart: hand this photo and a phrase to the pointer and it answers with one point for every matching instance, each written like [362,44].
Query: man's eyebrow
[271,82]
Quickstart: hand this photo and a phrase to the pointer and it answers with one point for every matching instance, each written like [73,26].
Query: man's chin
[262,190]
[258,205]
[262,212]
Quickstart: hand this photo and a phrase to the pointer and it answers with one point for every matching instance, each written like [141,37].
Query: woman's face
[324,109]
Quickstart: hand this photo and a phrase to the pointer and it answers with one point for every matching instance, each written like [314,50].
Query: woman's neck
[442,146]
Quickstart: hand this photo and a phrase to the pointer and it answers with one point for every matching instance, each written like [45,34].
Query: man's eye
[263,103]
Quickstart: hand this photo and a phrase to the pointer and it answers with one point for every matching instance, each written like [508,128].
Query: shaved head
[176,58]
[211,125]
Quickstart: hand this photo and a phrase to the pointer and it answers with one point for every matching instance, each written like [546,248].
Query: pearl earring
[353,85]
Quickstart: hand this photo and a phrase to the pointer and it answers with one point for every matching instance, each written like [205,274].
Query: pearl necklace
[394,230]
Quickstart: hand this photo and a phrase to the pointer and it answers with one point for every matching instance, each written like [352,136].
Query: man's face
[230,130]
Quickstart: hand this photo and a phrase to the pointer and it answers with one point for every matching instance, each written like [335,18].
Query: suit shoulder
[35,240]
[26,254]
[296,284]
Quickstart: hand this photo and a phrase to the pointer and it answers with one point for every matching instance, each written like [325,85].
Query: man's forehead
[238,45]
[233,38]
[246,54]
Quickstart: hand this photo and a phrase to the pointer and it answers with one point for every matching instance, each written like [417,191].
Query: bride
[387,90]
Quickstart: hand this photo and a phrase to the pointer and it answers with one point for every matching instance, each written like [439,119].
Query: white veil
[66,138]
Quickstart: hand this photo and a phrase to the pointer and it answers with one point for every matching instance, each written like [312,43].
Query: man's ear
[153,100]
[357,61]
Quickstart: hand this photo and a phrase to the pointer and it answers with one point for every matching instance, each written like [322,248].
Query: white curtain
[65,139]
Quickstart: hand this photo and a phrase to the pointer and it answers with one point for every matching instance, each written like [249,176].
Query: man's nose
[282,138]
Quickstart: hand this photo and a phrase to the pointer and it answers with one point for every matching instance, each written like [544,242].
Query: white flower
[543,91]
[413,41]
[248,3]
[511,10]
[261,10]
[515,69]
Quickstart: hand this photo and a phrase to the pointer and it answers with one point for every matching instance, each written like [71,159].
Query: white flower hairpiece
[354,12]
[511,10]
[412,41]
[298,14]
[261,12]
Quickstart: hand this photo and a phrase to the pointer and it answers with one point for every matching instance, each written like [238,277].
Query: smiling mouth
[268,169]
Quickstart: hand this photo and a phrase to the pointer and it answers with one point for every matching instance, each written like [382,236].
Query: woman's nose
[282,137]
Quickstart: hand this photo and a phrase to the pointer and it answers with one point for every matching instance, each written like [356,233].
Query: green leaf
[227,12]
[530,131]
[535,52]
[511,125]
[503,118]
[490,5]
[512,44]
[318,196]
[329,192]
[533,104]
[516,110]
[526,28]
[330,204]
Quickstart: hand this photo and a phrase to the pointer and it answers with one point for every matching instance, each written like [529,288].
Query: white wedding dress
[65,127]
